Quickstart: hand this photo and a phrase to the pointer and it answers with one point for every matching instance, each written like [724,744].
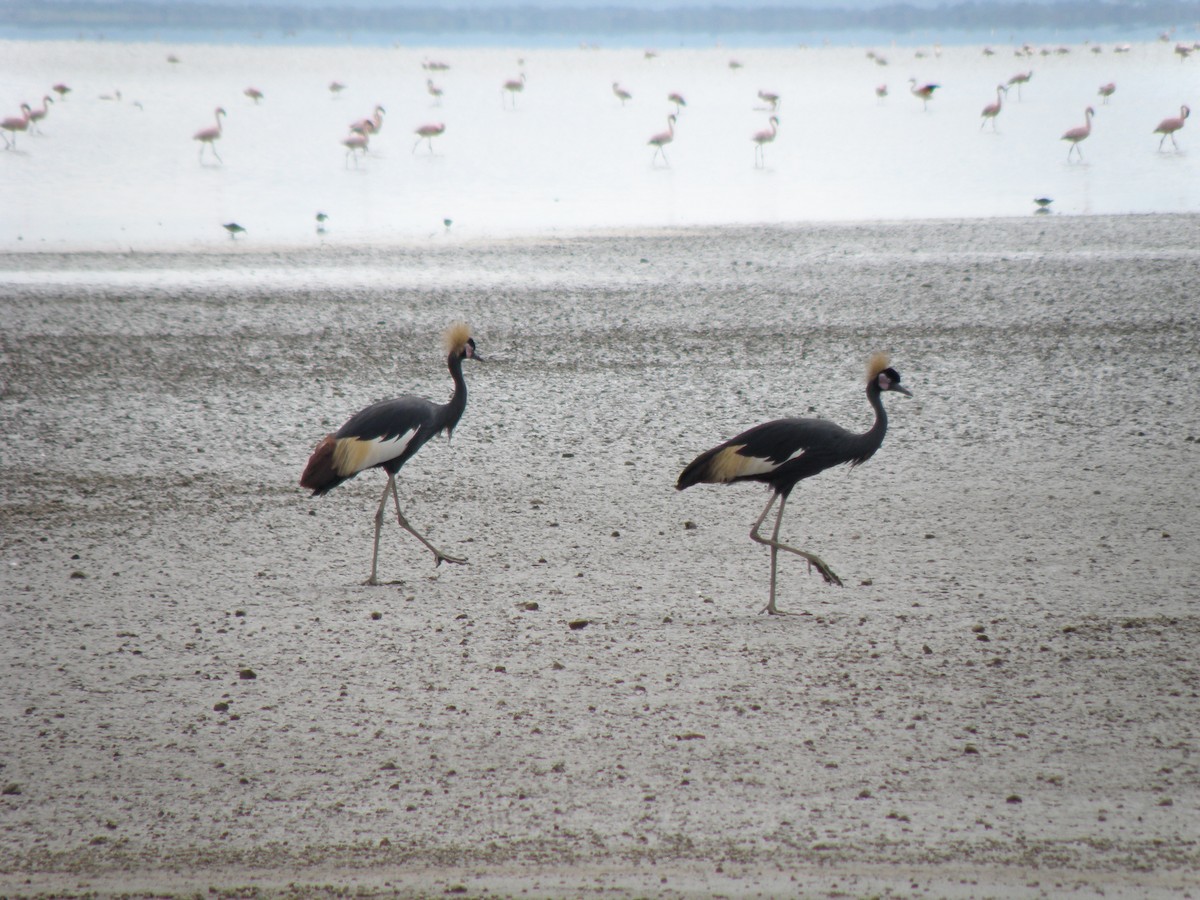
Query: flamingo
[427,133]
[355,144]
[371,125]
[769,97]
[922,92]
[36,115]
[881,91]
[208,136]
[677,98]
[62,90]
[992,110]
[434,91]
[1107,90]
[1168,127]
[1079,133]
[763,138]
[514,86]
[335,88]
[254,94]
[1019,79]
[13,124]
[661,139]
[621,93]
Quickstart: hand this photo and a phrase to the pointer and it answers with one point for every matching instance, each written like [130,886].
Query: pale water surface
[124,173]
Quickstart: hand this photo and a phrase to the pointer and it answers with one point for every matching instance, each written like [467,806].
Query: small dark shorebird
[786,451]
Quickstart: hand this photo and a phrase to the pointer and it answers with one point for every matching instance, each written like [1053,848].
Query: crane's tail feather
[720,465]
[320,474]
[725,464]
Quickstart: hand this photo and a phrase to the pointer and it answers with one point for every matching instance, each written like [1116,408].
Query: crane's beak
[901,390]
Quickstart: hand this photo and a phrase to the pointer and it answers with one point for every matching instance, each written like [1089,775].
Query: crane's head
[459,343]
[881,374]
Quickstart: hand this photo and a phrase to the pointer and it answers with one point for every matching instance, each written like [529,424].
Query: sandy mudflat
[1004,699]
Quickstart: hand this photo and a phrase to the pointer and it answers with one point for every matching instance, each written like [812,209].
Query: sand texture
[1001,701]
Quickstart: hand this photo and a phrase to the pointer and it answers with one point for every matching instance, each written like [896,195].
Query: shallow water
[125,174]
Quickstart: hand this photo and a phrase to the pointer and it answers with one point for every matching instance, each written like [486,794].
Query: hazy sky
[638,4]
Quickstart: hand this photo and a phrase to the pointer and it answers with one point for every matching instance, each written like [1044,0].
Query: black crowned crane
[786,451]
[386,435]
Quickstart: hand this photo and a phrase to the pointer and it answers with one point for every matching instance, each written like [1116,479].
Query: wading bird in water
[209,136]
[36,115]
[13,124]
[1107,90]
[620,93]
[388,434]
[1168,127]
[1019,79]
[660,140]
[371,125]
[1079,133]
[513,87]
[762,138]
[677,98]
[992,110]
[922,92]
[786,451]
[355,144]
[427,133]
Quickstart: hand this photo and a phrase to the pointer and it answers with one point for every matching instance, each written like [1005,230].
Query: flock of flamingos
[360,132]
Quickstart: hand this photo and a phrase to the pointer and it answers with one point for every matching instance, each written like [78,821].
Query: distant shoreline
[32,18]
[20,264]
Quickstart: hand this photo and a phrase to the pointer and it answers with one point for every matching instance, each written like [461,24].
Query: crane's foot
[814,561]
[830,576]
[440,558]
[772,610]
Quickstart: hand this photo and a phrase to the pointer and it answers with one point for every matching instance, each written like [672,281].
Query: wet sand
[1001,701]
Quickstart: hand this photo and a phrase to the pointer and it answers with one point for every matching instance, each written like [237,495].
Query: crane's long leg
[773,542]
[378,526]
[438,554]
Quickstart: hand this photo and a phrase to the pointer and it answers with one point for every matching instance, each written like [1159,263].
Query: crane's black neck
[450,413]
[872,439]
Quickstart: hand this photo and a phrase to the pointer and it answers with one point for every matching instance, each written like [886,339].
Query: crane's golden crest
[456,336]
[876,364]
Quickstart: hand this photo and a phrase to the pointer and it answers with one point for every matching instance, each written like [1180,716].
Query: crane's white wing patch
[730,464]
[352,455]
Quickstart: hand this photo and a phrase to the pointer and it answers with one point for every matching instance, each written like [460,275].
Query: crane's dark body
[386,422]
[783,452]
[388,434]
[820,444]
